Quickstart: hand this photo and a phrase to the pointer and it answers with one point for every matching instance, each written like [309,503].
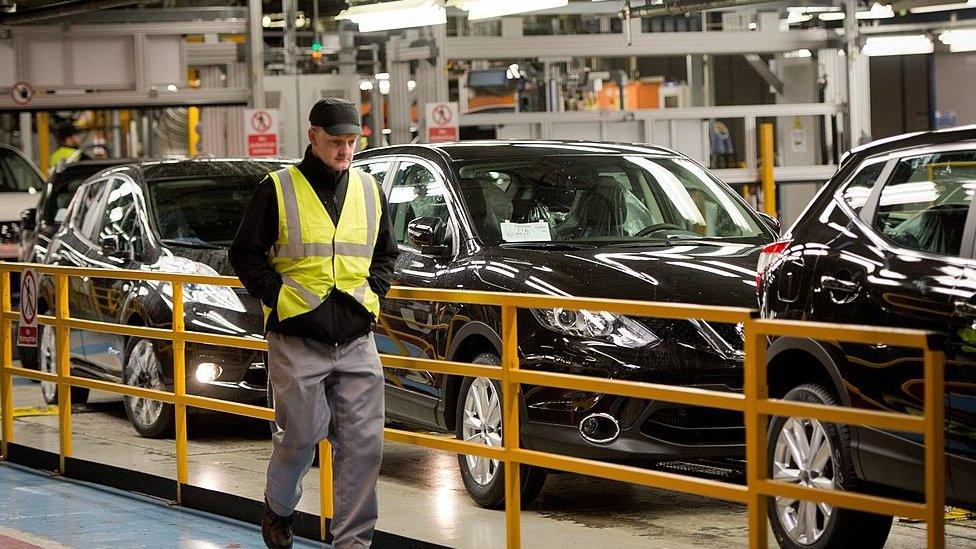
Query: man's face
[75,140]
[335,151]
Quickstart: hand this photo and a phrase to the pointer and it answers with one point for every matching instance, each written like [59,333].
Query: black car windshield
[200,212]
[600,199]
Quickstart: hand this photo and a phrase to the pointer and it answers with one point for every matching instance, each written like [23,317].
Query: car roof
[912,140]
[156,170]
[493,149]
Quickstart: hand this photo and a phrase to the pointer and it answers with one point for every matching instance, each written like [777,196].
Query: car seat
[488,205]
[598,212]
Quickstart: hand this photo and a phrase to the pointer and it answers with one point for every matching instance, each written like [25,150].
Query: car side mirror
[28,219]
[427,235]
[772,222]
[114,245]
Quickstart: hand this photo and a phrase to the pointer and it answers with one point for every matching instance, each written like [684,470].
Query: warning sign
[22,93]
[27,328]
[261,128]
[442,122]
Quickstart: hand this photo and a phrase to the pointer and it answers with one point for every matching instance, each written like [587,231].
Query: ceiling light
[832,16]
[798,54]
[796,16]
[944,7]
[897,45]
[366,85]
[959,39]
[398,14]
[486,9]
[877,11]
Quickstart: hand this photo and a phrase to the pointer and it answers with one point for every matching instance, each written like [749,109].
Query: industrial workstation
[488,274]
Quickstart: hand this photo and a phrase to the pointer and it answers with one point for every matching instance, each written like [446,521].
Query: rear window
[16,174]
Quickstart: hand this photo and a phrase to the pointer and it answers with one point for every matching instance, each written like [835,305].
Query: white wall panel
[8,64]
[102,62]
[164,62]
[46,63]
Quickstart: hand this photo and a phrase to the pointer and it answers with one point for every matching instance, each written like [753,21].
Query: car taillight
[768,256]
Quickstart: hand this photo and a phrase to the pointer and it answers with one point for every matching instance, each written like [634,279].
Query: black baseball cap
[336,116]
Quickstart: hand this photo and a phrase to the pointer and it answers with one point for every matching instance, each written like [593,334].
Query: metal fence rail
[754,401]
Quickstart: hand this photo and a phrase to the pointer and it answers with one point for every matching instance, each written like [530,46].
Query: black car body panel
[125,205]
[860,254]
[691,353]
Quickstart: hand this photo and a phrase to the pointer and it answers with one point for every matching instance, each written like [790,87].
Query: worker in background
[70,139]
[316,246]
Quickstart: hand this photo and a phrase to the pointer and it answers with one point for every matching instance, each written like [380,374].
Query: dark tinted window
[121,216]
[87,215]
[377,169]
[925,203]
[858,191]
[202,212]
[16,175]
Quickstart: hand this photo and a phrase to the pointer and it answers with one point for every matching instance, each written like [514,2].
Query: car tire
[47,362]
[798,463]
[150,418]
[484,478]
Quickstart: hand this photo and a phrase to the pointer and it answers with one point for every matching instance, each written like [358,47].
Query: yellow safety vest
[313,255]
[63,154]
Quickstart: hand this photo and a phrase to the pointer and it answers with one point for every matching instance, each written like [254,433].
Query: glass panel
[859,189]
[416,192]
[925,204]
[377,170]
[200,212]
[16,175]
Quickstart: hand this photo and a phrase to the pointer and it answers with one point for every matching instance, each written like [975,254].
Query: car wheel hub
[482,423]
[144,371]
[48,361]
[802,456]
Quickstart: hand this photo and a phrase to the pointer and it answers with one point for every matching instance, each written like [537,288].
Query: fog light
[599,428]
[207,372]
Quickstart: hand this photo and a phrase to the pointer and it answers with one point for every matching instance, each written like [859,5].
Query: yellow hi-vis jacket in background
[312,254]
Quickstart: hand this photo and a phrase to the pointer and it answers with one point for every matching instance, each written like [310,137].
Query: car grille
[695,426]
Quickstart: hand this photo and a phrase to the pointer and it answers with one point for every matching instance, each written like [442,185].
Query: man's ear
[311,136]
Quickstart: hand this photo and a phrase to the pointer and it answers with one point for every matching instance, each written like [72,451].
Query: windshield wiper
[548,245]
[190,243]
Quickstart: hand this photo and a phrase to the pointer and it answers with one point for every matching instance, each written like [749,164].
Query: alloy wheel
[482,424]
[143,370]
[47,362]
[803,457]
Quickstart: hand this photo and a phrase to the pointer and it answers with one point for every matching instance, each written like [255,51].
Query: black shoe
[276,529]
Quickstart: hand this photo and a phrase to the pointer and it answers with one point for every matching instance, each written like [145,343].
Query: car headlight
[202,294]
[596,324]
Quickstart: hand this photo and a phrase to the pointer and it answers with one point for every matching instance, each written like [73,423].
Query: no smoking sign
[442,122]
[27,328]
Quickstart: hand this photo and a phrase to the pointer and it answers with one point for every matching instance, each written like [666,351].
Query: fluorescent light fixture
[486,9]
[399,14]
[382,76]
[832,16]
[796,16]
[959,39]
[877,11]
[798,54]
[411,85]
[365,85]
[897,45]
[944,7]
[385,87]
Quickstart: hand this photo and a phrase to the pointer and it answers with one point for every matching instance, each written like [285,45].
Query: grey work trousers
[321,391]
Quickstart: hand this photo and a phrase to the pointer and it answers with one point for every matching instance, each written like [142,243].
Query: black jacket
[340,318]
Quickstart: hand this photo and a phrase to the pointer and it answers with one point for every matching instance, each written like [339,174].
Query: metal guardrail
[754,401]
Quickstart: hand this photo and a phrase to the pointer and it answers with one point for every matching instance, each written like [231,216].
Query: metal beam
[131,99]
[762,68]
[680,7]
[255,52]
[62,9]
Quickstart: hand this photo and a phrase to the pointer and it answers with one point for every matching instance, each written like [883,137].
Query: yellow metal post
[755,388]
[510,426]
[935,458]
[766,150]
[325,487]
[6,357]
[43,143]
[63,353]
[179,388]
[193,135]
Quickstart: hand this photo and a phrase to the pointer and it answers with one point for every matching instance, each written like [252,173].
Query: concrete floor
[421,495]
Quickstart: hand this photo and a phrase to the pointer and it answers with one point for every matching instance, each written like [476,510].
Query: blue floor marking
[83,515]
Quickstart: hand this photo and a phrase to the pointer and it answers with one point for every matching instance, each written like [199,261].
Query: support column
[858,82]
[347,53]
[255,43]
[696,79]
[289,12]
[399,95]
[27,136]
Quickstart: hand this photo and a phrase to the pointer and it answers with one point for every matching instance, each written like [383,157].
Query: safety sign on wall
[22,93]
[27,328]
[261,129]
[442,122]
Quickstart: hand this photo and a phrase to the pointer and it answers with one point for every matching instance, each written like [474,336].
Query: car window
[924,204]
[590,199]
[86,215]
[416,192]
[858,190]
[200,212]
[120,215]
[377,169]
[16,175]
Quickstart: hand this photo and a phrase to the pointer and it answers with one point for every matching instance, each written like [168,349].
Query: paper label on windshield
[526,232]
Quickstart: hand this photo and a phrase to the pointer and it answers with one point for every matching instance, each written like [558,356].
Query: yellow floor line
[29,411]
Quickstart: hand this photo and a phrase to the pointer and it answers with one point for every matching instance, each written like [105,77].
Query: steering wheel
[655,228]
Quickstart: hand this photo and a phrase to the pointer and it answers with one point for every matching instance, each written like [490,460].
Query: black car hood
[215,258]
[702,273]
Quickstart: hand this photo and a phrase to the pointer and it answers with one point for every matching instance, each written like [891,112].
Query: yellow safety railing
[753,402]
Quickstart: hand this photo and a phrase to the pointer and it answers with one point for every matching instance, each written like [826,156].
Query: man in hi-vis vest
[316,247]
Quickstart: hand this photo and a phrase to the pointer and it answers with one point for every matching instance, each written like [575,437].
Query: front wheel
[151,418]
[815,454]
[479,419]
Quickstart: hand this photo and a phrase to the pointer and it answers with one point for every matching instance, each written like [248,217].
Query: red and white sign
[261,128]
[22,93]
[442,122]
[27,329]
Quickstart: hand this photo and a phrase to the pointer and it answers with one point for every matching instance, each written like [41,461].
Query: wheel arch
[473,339]
[793,361]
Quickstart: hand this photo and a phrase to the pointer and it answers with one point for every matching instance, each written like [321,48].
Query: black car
[888,241]
[566,219]
[177,216]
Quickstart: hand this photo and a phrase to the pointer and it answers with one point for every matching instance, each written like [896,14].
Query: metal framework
[754,401]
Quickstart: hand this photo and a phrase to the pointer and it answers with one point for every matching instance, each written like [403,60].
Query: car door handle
[836,284]
[965,308]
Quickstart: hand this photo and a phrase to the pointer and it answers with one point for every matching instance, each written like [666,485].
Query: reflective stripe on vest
[312,254]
